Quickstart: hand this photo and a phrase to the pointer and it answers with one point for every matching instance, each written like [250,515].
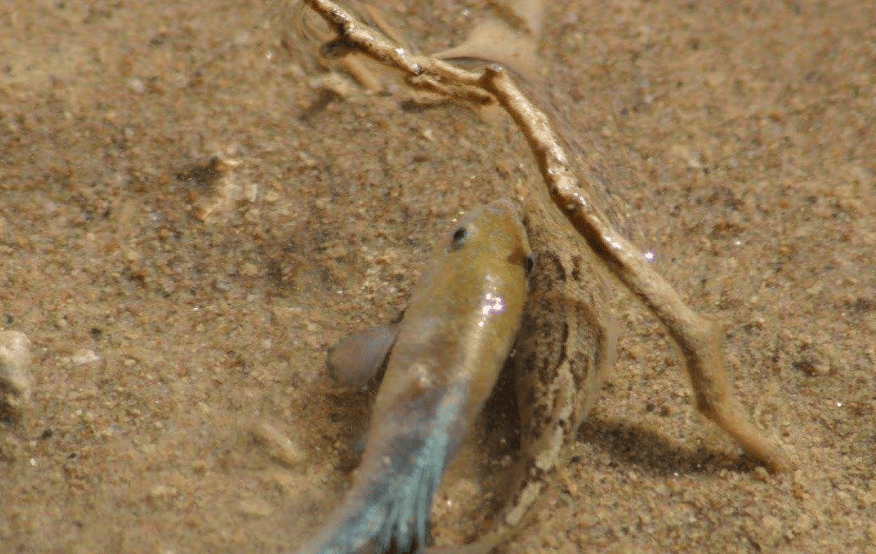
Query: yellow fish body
[446,355]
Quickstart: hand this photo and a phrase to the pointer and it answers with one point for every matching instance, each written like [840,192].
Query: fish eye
[458,238]
[528,263]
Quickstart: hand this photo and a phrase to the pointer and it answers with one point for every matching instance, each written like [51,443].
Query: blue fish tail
[391,506]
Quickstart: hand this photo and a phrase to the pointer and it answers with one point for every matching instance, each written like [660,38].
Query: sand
[188,219]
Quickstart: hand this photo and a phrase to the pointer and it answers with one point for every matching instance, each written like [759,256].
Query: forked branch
[699,338]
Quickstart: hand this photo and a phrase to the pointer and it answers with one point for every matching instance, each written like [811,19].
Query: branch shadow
[634,446]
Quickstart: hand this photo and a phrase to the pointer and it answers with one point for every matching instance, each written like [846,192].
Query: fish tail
[391,506]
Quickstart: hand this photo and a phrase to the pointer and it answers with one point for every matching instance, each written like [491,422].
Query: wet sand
[188,220]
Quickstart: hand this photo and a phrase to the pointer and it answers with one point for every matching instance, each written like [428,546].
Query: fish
[444,358]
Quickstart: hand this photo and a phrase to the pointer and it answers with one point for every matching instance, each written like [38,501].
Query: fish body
[451,344]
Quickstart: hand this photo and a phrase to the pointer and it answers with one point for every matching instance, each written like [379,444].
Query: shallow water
[738,139]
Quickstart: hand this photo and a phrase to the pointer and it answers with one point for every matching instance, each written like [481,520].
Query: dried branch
[699,338]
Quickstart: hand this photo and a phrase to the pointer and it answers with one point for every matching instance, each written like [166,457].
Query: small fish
[446,354]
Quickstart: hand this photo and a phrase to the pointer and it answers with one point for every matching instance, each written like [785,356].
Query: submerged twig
[699,338]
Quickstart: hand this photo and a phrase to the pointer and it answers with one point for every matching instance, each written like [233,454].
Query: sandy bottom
[174,301]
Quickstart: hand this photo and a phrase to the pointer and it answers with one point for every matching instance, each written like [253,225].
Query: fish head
[495,230]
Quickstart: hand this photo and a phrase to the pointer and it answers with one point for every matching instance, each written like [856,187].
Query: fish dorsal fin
[355,360]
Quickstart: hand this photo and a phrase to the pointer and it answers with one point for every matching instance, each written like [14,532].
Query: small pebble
[761,474]
[277,446]
[255,508]
[136,85]
[15,379]
[83,357]
[161,492]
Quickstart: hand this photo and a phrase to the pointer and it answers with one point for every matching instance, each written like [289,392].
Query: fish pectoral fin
[355,360]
